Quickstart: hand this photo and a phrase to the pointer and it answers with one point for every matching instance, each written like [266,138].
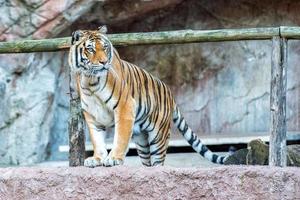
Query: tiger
[116,93]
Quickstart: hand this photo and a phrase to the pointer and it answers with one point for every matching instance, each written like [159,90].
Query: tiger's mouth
[93,71]
[96,70]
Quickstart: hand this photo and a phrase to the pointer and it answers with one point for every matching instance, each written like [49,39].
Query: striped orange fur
[116,93]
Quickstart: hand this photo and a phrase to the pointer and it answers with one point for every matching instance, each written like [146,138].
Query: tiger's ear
[102,29]
[76,35]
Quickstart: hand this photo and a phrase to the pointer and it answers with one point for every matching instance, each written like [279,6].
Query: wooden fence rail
[125,39]
[278,35]
[167,37]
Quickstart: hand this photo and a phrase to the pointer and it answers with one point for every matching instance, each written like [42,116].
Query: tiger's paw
[109,162]
[93,162]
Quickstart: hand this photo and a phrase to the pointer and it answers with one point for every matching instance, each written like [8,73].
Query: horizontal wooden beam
[126,39]
[290,32]
[28,46]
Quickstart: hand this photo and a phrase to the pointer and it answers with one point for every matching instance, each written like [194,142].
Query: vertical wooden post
[76,126]
[278,150]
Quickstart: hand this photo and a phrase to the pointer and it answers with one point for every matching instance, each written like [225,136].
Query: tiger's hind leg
[143,148]
[158,147]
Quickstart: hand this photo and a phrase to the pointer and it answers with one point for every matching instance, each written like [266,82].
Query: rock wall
[232,182]
[30,83]
[220,87]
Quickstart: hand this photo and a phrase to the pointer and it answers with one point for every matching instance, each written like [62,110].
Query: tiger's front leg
[97,136]
[124,121]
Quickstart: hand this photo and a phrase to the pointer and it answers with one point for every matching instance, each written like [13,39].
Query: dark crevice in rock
[10,121]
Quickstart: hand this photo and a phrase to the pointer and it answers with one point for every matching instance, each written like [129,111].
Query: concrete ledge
[226,182]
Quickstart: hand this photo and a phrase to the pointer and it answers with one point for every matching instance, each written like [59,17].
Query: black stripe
[122,66]
[80,52]
[155,114]
[117,101]
[185,128]
[143,146]
[81,60]
[198,142]
[155,109]
[135,79]
[147,151]
[144,120]
[192,139]
[175,119]
[147,108]
[214,158]
[131,76]
[178,126]
[164,132]
[222,160]
[160,134]
[154,86]
[144,157]
[161,137]
[111,94]
[100,127]
[177,115]
[153,118]
[96,89]
[85,88]
[164,106]
[145,114]
[76,56]
[95,83]
[84,103]
[140,94]
[105,82]
[156,139]
[203,150]
[138,112]
[130,79]
[150,120]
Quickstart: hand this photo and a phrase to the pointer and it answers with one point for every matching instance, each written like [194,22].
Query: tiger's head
[91,52]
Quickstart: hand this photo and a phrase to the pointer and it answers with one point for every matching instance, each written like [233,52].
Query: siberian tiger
[116,93]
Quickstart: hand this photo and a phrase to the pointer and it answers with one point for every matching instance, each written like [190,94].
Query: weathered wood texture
[76,127]
[125,39]
[290,32]
[277,155]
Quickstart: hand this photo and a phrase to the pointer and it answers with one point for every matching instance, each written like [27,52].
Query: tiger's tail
[193,139]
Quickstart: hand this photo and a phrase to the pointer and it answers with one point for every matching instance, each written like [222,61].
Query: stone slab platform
[125,182]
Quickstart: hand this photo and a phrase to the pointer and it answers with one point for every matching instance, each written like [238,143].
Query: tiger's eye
[90,49]
[105,46]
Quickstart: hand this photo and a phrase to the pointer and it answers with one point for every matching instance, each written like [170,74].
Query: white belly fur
[96,108]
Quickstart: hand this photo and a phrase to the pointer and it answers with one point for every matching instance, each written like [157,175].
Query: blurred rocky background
[221,87]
